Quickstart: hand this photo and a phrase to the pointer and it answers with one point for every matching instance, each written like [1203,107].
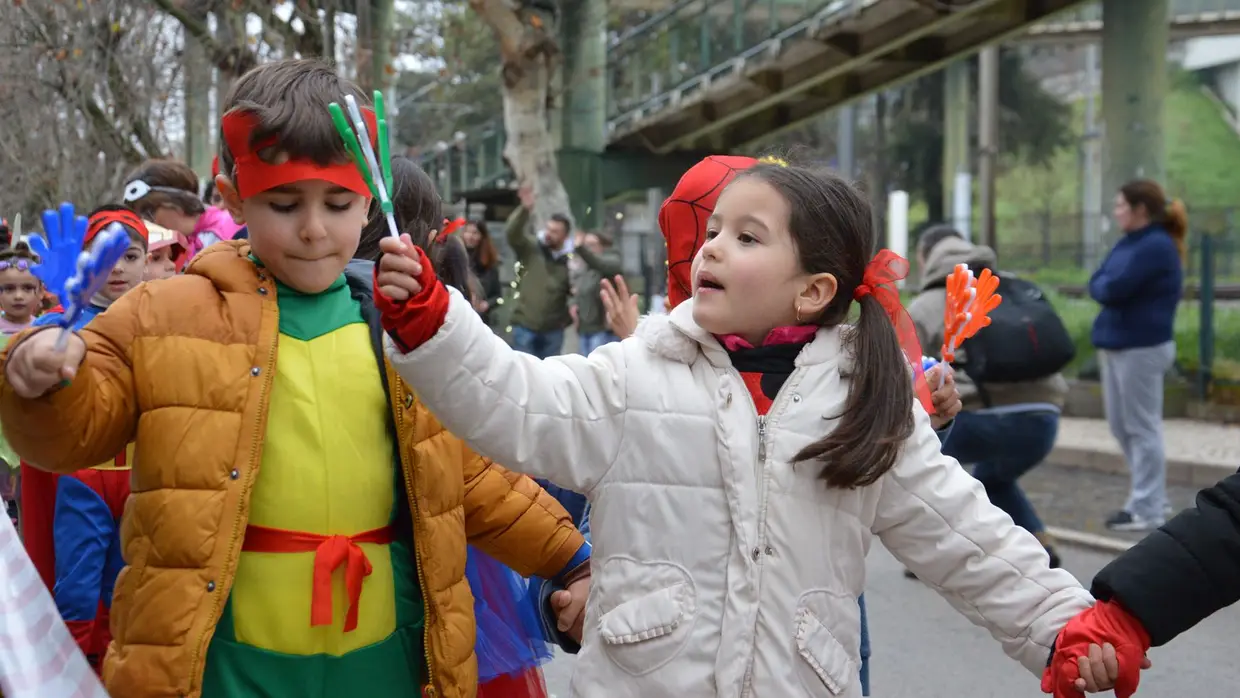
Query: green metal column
[584,36]
[1134,87]
[956,116]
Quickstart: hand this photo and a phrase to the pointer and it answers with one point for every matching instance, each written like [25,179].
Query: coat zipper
[239,524]
[398,402]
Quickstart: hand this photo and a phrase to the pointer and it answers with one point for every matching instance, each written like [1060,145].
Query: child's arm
[92,418]
[560,419]
[937,520]
[1185,571]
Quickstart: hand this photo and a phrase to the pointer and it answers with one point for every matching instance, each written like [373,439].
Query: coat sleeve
[94,417]
[516,230]
[560,419]
[937,520]
[1128,268]
[1185,571]
[509,517]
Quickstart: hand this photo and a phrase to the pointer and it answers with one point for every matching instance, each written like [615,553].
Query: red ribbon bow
[450,227]
[879,280]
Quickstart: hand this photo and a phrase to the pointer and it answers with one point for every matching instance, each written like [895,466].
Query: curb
[1179,470]
[1092,541]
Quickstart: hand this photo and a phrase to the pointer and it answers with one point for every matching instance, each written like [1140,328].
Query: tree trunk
[197,72]
[878,172]
[528,54]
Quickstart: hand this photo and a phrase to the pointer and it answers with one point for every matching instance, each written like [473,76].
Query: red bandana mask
[103,219]
[253,175]
[682,218]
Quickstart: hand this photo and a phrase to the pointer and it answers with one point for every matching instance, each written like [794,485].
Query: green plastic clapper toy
[357,143]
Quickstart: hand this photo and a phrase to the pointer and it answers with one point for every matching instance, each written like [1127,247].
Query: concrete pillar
[583,119]
[956,116]
[1134,87]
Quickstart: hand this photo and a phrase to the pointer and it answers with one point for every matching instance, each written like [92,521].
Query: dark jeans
[540,344]
[1002,446]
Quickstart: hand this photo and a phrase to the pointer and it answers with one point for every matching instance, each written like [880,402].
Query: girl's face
[747,277]
[126,274]
[1128,218]
[20,292]
[471,236]
[160,264]
[172,217]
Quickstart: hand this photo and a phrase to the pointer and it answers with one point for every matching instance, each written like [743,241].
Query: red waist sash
[330,552]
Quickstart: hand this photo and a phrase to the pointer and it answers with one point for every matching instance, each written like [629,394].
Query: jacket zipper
[762,438]
[398,402]
[268,373]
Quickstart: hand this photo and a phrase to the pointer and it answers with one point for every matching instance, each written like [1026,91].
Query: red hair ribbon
[253,175]
[879,280]
[125,217]
[450,227]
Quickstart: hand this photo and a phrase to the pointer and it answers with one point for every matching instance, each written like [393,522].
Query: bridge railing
[1178,9]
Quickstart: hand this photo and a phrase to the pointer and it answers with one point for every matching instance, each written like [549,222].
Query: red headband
[253,175]
[103,219]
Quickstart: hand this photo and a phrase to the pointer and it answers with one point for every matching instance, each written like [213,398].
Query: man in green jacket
[596,260]
[543,288]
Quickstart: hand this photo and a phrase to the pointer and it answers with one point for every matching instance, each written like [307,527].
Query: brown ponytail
[833,231]
[1176,222]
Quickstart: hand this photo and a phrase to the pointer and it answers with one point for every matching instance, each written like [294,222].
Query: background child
[275,445]
[773,487]
[20,293]
[166,191]
[165,249]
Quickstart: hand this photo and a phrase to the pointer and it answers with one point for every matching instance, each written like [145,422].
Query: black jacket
[1183,572]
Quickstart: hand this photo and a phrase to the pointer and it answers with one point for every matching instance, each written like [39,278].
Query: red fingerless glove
[411,323]
[1105,622]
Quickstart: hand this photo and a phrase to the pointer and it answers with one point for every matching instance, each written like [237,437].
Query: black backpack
[1024,341]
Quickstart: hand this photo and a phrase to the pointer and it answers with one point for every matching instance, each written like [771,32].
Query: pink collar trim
[788,334]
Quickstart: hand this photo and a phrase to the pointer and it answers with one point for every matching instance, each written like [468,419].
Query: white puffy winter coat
[719,567]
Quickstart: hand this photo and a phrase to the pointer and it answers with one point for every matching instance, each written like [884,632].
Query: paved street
[923,649]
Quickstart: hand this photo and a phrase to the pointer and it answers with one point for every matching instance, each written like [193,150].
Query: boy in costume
[298,519]
[72,522]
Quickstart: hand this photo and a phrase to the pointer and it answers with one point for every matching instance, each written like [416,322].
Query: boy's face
[304,232]
[160,264]
[127,273]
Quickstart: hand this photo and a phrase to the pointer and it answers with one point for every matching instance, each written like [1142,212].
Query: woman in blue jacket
[1139,286]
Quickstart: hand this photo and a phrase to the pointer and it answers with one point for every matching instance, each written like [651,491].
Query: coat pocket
[824,661]
[651,626]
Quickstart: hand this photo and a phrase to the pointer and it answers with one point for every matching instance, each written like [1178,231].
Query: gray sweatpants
[1132,391]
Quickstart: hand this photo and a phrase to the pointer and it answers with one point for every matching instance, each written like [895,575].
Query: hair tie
[449,227]
[879,280]
[772,160]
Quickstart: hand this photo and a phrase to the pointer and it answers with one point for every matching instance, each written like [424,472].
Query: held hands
[946,397]
[399,269]
[35,366]
[570,607]
[1102,648]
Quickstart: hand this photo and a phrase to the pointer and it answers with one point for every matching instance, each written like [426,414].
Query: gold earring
[798,309]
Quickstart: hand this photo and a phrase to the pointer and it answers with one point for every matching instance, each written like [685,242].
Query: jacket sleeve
[518,233]
[1129,268]
[937,520]
[491,286]
[509,517]
[94,417]
[608,263]
[560,419]
[1183,572]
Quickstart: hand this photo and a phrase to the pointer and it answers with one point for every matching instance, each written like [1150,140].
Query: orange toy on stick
[969,302]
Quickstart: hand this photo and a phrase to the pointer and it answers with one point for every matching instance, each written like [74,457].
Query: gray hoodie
[927,313]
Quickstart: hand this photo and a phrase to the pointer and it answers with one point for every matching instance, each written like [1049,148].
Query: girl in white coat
[730,540]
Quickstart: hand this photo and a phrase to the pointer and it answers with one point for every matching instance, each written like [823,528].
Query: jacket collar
[677,337]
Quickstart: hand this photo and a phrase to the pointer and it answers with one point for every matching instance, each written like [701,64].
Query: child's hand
[946,397]
[1101,648]
[398,269]
[35,366]
[570,608]
[621,307]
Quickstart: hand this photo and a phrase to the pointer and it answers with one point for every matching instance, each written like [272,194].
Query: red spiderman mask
[682,218]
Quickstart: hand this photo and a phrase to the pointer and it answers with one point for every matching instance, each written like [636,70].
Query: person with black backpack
[1008,374]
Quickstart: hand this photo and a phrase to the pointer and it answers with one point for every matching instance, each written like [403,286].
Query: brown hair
[1168,213]
[20,250]
[833,232]
[289,99]
[172,183]
[485,252]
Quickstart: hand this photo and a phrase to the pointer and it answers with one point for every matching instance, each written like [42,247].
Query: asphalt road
[924,649]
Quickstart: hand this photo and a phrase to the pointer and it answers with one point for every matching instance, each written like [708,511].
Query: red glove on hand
[413,322]
[1106,622]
